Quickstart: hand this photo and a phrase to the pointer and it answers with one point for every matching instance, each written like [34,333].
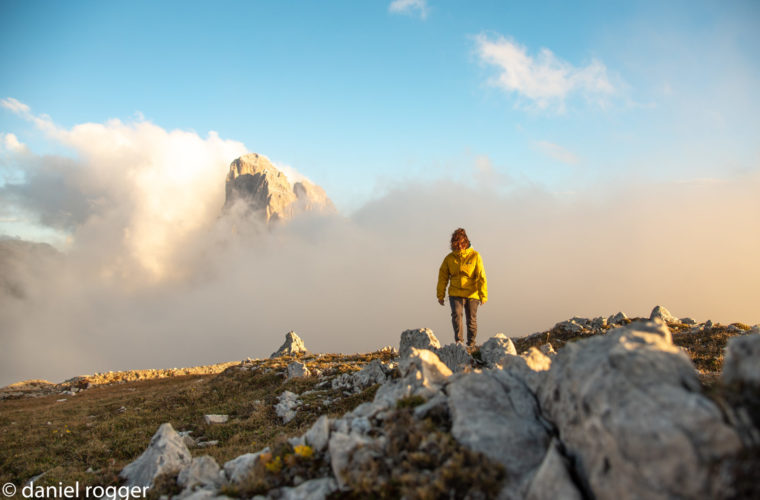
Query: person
[463,271]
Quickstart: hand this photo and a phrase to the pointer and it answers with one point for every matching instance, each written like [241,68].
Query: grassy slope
[90,431]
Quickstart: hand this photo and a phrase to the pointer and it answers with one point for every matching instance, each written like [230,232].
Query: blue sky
[603,156]
[356,95]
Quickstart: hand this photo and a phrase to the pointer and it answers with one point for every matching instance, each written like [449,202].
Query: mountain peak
[266,190]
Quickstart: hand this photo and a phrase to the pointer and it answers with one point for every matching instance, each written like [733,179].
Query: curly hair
[457,237]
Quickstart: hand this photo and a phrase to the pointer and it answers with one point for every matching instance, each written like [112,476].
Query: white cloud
[410,7]
[546,80]
[557,152]
[139,187]
[11,143]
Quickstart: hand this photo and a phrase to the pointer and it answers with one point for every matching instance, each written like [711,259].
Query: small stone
[286,407]
[215,419]
[319,434]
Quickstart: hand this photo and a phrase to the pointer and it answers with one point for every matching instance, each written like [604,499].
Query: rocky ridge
[620,413]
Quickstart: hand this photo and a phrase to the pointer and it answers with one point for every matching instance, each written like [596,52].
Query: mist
[154,276]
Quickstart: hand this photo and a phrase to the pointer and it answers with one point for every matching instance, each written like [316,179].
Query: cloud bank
[545,80]
[154,276]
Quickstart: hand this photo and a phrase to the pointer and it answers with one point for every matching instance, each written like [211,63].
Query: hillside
[414,429]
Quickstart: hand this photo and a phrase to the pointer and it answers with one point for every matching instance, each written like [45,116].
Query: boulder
[455,356]
[292,345]
[296,369]
[421,338]
[497,348]
[286,407]
[742,362]
[202,472]
[663,314]
[628,409]
[494,412]
[165,453]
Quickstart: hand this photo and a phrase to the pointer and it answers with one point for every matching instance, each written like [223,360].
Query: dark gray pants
[470,307]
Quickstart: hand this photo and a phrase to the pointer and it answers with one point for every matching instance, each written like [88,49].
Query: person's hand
[440,301]
[483,302]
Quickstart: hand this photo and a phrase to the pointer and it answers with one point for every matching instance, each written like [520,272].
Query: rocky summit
[266,191]
[606,408]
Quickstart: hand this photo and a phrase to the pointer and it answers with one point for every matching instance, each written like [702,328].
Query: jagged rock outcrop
[292,345]
[267,192]
[166,452]
[662,314]
[628,408]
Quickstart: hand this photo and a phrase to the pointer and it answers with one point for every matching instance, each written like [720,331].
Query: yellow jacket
[468,278]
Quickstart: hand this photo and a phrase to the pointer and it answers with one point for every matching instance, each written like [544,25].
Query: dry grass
[91,432]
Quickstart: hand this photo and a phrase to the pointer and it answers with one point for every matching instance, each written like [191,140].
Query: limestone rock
[553,479]
[266,191]
[425,369]
[314,489]
[310,197]
[166,452]
[617,319]
[292,345]
[495,413]
[537,360]
[496,348]
[215,419]
[296,369]
[627,406]
[742,362]
[286,407]
[421,338]
[238,469]
[547,349]
[455,356]
[201,472]
[373,373]
[663,314]
[319,434]
[342,447]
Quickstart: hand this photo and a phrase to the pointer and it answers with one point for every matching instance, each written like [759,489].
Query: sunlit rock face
[267,192]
